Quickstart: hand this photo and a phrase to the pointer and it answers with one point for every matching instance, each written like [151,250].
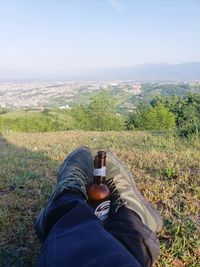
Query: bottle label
[100,172]
[102,210]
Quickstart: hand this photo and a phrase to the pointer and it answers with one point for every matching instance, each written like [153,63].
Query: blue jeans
[75,237]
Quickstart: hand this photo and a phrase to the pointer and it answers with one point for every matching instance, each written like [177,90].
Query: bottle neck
[99,168]
[98,179]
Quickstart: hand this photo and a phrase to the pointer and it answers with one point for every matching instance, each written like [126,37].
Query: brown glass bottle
[98,192]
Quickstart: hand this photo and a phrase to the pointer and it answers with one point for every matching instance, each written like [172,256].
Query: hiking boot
[125,193]
[74,174]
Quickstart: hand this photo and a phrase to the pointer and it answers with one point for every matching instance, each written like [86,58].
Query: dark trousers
[74,237]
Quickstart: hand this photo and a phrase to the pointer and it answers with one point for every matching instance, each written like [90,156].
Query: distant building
[64,107]
[136,88]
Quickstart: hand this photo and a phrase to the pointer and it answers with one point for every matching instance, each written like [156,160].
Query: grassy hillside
[150,91]
[166,169]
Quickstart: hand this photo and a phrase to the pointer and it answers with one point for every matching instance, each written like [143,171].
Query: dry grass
[166,169]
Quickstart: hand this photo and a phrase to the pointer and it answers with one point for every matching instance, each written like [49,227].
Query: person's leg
[72,235]
[75,172]
[133,220]
[128,228]
[78,238]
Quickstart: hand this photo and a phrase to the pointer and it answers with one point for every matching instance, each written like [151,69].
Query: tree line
[179,113]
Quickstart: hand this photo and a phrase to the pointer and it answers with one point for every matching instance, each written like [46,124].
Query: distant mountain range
[140,73]
[151,72]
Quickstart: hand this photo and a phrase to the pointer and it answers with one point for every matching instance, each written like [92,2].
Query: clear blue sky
[59,36]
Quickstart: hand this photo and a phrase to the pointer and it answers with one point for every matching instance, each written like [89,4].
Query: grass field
[166,169]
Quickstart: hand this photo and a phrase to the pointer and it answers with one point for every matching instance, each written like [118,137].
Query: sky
[74,36]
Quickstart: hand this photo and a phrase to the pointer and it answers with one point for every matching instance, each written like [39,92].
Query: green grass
[18,114]
[166,170]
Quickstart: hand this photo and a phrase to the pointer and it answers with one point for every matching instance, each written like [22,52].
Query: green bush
[189,130]
[35,123]
[99,115]
[147,117]
[185,109]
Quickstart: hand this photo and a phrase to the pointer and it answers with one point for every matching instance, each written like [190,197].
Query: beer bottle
[98,192]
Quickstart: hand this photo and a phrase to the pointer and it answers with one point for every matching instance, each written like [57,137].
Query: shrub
[147,117]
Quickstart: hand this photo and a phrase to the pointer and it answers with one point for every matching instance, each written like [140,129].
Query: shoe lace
[117,201]
[76,178]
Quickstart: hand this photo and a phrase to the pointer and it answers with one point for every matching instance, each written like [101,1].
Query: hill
[151,90]
[166,170]
[150,73]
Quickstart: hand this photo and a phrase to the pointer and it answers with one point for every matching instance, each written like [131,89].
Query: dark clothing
[143,244]
[74,237]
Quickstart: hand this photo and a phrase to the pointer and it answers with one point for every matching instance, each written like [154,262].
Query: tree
[102,113]
[147,117]
[185,109]
[81,115]
[99,115]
